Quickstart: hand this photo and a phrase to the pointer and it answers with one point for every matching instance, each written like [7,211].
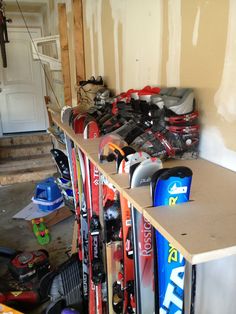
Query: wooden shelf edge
[168,236]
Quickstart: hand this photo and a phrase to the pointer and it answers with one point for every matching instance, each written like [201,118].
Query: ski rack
[55,64]
[189,228]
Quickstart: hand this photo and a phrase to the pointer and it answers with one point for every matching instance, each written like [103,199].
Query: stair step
[24,139]
[21,163]
[15,151]
[26,175]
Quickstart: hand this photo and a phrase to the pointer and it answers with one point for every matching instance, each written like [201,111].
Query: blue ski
[171,187]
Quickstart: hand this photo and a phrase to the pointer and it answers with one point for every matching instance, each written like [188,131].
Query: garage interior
[56,44]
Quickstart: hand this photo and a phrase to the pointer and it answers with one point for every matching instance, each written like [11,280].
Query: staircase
[25,158]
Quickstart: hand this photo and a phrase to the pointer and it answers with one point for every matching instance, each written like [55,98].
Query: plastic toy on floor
[41,231]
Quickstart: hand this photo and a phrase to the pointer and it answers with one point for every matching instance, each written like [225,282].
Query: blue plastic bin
[48,195]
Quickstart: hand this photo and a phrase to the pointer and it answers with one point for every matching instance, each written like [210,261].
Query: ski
[96,267]
[83,224]
[78,126]
[143,169]
[113,246]
[126,281]
[169,188]
[123,299]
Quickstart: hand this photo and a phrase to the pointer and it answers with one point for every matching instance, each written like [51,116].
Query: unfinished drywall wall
[171,43]
[186,44]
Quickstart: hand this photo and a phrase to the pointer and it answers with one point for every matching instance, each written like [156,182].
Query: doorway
[22,86]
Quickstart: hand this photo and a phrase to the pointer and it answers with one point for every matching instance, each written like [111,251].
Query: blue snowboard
[170,188]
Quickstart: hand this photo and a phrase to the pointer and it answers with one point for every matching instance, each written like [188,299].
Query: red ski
[96,269]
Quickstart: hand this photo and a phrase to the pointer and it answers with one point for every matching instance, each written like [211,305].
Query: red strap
[183,118]
[184,129]
[169,149]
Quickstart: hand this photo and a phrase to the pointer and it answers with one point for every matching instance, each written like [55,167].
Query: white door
[22,86]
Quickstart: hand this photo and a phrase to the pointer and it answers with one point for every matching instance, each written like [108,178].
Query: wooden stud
[47,102]
[65,60]
[77,9]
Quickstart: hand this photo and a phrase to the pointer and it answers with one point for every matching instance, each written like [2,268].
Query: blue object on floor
[48,195]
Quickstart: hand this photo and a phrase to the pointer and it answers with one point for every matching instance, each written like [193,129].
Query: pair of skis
[142,261]
[122,295]
[140,168]
[85,178]
[169,187]
[92,258]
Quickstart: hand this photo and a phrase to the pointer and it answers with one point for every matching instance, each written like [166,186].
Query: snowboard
[170,187]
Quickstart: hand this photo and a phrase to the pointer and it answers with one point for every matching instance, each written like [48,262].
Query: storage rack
[203,229]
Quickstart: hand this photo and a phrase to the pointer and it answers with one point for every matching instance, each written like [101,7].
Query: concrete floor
[17,234]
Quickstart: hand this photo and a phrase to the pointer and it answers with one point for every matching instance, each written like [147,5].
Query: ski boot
[176,135]
[147,110]
[87,91]
[92,80]
[125,110]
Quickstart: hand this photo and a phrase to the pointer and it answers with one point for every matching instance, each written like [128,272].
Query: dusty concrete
[17,234]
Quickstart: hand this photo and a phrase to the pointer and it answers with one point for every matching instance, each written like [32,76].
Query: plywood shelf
[202,229]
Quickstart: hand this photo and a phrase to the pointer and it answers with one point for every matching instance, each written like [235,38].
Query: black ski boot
[176,134]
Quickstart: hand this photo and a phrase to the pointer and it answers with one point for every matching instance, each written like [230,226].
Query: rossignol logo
[176,188]
[146,243]
[172,296]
